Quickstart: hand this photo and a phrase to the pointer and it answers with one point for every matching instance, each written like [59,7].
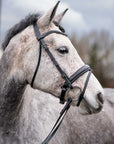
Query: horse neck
[12,87]
[1,53]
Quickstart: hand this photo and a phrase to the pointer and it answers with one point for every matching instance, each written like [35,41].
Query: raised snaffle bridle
[68,80]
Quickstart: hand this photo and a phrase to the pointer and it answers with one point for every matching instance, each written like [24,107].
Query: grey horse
[25,115]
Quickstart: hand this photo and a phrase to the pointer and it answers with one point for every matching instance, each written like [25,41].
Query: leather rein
[68,80]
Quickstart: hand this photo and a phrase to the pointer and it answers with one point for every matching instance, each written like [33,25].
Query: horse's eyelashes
[62,50]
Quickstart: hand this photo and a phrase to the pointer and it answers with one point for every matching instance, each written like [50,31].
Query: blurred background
[89,24]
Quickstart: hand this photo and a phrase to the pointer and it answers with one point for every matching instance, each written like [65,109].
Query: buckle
[62,97]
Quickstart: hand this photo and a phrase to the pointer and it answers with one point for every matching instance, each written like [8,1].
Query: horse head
[48,78]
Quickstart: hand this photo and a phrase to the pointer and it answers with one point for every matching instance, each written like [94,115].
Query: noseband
[68,80]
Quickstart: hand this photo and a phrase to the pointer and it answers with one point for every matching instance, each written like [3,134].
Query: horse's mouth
[86,109]
[97,109]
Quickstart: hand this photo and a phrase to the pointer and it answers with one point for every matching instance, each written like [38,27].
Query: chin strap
[73,78]
[58,122]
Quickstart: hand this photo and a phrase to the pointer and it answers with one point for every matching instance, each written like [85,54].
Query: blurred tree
[96,63]
[93,56]
[97,50]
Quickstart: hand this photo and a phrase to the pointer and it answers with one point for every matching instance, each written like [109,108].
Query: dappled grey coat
[41,111]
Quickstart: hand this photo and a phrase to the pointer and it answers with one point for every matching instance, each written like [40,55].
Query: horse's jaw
[84,108]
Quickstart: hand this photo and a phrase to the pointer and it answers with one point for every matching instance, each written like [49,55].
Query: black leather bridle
[68,80]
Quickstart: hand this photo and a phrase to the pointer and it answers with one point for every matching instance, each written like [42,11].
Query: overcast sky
[83,15]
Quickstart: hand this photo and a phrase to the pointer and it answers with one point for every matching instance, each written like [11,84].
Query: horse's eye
[62,50]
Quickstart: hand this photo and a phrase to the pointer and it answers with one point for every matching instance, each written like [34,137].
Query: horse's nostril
[100,97]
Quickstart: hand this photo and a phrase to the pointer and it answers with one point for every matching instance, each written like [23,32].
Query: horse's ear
[59,17]
[47,18]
